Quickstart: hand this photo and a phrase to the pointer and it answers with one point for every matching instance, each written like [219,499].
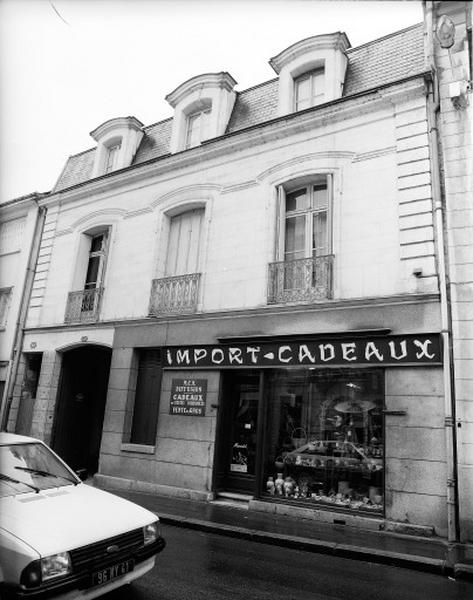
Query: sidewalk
[424,554]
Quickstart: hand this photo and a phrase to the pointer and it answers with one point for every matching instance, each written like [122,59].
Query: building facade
[246,299]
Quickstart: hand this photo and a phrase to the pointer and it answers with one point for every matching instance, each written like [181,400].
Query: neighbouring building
[20,230]
[451,56]
[249,298]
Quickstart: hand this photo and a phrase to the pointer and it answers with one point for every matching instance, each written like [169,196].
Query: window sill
[139,448]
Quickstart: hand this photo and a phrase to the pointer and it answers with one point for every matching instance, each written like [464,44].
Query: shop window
[325,439]
[146,405]
[309,89]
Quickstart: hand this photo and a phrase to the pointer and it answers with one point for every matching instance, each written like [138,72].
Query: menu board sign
[188,397]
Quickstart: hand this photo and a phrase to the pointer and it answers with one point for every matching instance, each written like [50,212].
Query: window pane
[295,238]
[320,196]
[93,267]
[319,234]
[97,243]
[302,93]
[298,200]
[318,81]
[325,438]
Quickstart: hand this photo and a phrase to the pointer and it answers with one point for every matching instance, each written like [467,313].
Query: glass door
[239,433]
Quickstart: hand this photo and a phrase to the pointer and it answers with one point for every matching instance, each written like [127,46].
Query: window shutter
[147,396]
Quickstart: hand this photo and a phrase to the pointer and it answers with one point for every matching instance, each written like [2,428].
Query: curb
[407,561]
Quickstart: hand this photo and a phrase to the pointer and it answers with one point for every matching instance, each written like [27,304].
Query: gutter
[433,110]
[21,319]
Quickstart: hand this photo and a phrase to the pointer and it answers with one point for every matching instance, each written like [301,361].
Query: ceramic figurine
[270,485]
[279,484]
[288,487]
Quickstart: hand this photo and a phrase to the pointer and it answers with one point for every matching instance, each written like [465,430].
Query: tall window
[5,296]
[111,158]
[307,221]
[197,127]
[309,89]
[184,243]
[146,405]
[96,264]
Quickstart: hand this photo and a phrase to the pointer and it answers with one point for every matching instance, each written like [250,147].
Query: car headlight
[47,568]
[56,565]
[151,532]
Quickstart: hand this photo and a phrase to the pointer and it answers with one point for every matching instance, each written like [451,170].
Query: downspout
[433,109]
[22,313]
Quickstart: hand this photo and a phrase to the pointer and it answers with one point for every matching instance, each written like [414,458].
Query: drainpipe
[22,313]
[433,109]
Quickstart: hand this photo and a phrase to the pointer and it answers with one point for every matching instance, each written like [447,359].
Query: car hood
[68,517]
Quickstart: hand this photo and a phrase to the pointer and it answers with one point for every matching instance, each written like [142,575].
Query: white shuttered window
[184,243]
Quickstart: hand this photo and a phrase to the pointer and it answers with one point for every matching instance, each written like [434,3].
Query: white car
[61,538]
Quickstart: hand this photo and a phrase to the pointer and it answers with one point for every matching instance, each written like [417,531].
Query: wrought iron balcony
[83,306]
[302,280]
[171,295]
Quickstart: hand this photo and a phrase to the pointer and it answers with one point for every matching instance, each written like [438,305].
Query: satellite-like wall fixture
[445,31]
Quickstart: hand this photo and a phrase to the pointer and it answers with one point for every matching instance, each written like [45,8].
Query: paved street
[202,566]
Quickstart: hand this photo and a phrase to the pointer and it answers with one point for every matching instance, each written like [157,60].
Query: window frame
[203,126]
[314,99]
[111,157]
[5,302]
[308,183]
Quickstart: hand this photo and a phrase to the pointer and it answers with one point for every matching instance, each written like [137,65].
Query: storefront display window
[325,438]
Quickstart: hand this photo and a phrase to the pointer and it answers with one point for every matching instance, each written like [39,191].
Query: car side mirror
[82,474]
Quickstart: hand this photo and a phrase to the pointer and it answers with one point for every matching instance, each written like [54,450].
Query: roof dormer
[202,107]
[311,71]
[117,141]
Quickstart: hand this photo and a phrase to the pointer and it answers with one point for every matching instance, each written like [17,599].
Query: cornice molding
[221,80]
[327,42]
[330,155]
[131,123]
[197,191]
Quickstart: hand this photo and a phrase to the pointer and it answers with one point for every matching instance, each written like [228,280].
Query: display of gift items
[344,471]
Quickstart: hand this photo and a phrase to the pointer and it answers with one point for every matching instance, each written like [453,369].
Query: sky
[66,66]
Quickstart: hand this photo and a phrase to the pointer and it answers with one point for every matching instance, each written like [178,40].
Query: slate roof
[380,62]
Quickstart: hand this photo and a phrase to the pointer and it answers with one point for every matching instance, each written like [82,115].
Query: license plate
[110,573]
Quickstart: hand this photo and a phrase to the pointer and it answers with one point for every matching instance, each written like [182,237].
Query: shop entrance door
[238,450]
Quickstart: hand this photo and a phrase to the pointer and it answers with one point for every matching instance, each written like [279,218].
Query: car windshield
[31,467]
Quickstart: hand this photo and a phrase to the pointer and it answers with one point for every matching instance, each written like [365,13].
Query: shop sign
[188,397]
[386,351]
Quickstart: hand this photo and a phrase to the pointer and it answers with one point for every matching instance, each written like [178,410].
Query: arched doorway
[81,405]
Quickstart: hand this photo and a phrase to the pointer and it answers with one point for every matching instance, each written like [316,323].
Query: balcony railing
[171,295]
[303,280]
[83,306]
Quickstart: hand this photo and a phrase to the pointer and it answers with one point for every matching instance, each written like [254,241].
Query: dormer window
[202,108]
[198,125]
[311,72]
[112,158]
[117,142]
[309,89]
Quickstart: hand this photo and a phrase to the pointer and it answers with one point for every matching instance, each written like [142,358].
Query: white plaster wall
[241,220]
